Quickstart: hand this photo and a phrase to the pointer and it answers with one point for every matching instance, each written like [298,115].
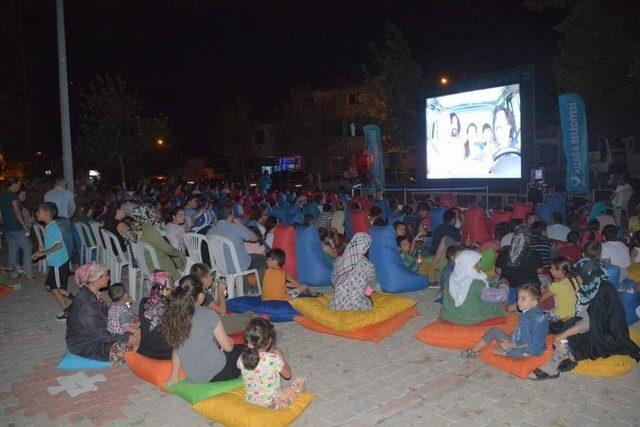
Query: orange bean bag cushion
[154,371]
[5,290]
[376,332]
[521,368]
[284,238]
[442,333]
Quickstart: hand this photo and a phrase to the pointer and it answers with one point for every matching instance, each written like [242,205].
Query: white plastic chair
[100,244]
[39,231]
[217,246]
[194,242]
[86,242]
[140,249]
[118,260]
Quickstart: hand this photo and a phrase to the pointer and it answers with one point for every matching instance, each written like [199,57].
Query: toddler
[120,319]
[261,366]
[278,284]
[528,338]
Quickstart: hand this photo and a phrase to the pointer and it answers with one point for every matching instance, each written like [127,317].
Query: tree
[395,85]
[232,137]
[299,129]
[115,131]
[598,58]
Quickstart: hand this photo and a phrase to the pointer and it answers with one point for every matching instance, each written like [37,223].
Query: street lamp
[160,142]
[444,80]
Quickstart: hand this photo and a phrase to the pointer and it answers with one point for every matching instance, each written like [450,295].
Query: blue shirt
[63,199]
[53,235]
[531,331]
[237,234]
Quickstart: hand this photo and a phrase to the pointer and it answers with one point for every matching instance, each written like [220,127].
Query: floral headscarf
[593,273]
[352,255]
[519,245]
[89,272]
[161,287]
[141,216]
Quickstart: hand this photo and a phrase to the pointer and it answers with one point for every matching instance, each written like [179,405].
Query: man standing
[15,230]
[64,201]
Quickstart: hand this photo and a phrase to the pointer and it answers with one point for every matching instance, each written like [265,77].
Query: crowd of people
[555,275]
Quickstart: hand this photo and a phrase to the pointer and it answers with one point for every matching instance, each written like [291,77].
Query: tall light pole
[65,126]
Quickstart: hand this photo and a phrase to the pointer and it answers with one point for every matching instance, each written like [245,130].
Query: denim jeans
[16,241]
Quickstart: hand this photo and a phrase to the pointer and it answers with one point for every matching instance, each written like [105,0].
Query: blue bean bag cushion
[630,300]
[436,215]
[557,203]
[394,218]
[544,212]
[314,269]
[311,208]
[278,311]
[71,362]
[614,274]
[391,272]
[292,197]
[348,228]
[384,205]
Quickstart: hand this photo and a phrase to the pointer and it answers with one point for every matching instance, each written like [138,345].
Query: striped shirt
[324,220]
[543,247]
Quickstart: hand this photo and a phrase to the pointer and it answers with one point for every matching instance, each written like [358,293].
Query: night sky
[187,58]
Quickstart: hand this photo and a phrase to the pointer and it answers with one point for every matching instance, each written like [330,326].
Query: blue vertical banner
[373,137]
[574,141]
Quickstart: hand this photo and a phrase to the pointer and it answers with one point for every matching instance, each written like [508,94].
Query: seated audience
[557,230]
[572,249]
[615,252]
[447,228]
[592,233]
[151,309]
[461,301]
[354,276]
[175,230]
[540,243]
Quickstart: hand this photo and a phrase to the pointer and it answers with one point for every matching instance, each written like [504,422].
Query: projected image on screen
[474,134]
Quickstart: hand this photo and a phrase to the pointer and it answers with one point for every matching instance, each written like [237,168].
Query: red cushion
[474,226]
[285,238]
[448,201]
[520,210]
[360,222]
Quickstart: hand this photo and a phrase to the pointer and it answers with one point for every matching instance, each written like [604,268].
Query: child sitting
[592,233]
[261,366]
[278,284]
[406,253]
[572,249]
[451,254]
[529,336]
[328,246]
[614,251]
[256,247]
[564,289]
[120,319]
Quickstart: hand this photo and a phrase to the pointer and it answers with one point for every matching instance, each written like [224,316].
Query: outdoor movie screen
[474,134]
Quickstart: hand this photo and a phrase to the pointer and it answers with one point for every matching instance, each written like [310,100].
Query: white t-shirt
[506,240]
[618,254]
[558,232]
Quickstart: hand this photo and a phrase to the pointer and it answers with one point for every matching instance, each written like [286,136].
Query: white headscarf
[463,275]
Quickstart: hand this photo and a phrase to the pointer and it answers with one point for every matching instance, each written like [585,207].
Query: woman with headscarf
[87,316]
[461,302]
[518,263]
[352,275]
[170,259]
[599,328]
[152,342]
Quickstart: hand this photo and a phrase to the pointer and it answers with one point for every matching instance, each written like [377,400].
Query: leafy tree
[599,58]
[395,84]
[232,137]
[299,129]
[115,131]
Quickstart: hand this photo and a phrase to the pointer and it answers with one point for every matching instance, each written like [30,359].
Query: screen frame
[523,76]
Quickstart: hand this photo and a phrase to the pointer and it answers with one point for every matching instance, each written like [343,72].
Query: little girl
[592,233]
[564,289]
[262,364]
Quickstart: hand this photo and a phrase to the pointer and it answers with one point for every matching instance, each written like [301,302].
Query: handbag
[491,294]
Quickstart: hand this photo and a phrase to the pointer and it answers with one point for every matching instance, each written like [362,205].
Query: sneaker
[62,316]
[469,354]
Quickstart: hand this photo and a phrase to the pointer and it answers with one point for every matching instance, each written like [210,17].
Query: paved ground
[396,383]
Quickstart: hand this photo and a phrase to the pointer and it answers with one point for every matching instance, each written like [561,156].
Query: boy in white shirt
[615,252]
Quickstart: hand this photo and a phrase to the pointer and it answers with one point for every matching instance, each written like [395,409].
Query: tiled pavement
[396,383]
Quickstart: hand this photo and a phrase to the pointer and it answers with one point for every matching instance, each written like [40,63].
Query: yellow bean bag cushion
[385,306]
[612,366]
[231,409]
[634,272]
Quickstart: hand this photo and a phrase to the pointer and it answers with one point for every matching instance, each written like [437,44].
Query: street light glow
[444,80]
[160,142]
